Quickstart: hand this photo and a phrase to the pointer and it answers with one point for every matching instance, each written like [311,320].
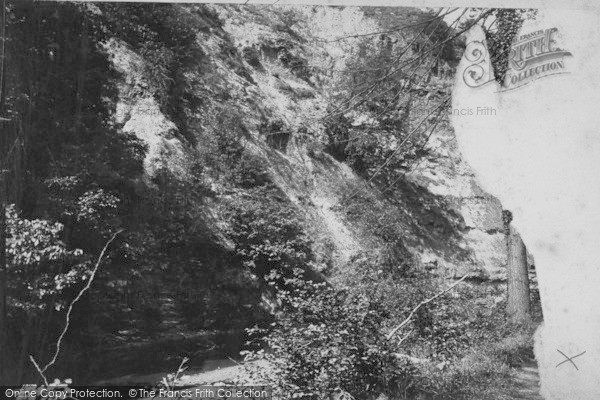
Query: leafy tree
[41,274]
[40,266]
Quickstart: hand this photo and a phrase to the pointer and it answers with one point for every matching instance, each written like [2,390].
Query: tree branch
[70,310]
[39,370]
[421,304]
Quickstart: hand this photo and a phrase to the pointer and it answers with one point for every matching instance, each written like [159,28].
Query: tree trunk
[518,307]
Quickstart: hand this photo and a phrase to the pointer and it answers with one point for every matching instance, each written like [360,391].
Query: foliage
[477,376]
[178,211]
[168,382]
[295,62]
[500,38]
[268,233]
[484,371]
[40,266]
[325,341]
[366,148]
[436,35]
[287,47]
[466,346]
[158,71]
[374,127]
[395,287]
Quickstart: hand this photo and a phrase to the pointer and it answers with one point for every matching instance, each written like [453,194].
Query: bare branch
[405,337]
[438,16]
[397,149]
[70,309]
[39,370]
[421,304]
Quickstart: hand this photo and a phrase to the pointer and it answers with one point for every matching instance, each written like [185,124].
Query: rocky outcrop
[139,113]
[278,67]
[444,173]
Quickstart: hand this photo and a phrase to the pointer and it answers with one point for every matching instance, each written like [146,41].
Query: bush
[251,172]
[515,349]
[500,40]
[484,372]
[477,376]
[228,156]
[40,266]
[165,36]
[268,233]
[326,341]
[297,65]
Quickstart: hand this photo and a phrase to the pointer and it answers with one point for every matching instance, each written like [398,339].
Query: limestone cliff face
[450,224]
[139,113]
[445,173]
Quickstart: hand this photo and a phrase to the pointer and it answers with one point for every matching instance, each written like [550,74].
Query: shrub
[250,171]
[268,232]
[500,40]
[515,349]
[165,36]
[326,341]
[476,376]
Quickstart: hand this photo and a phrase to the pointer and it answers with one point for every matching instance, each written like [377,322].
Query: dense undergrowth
[329,340]
[80,171]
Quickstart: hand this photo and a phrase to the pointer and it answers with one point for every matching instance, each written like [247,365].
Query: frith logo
[535,55]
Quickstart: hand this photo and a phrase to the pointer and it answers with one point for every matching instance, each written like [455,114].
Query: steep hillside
[446,219]
[225,142]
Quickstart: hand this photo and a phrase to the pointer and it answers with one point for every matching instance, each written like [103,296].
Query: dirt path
[526,383]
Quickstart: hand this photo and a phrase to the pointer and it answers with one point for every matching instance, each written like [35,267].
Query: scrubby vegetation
[326,340]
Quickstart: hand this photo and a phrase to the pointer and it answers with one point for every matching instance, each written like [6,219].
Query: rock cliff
[244,73]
